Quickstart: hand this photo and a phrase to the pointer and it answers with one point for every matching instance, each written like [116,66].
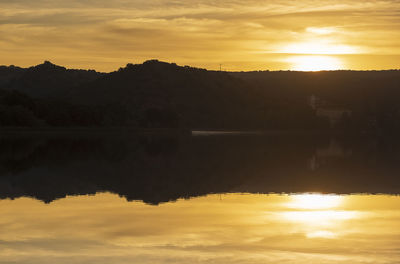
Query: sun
[315,63]
[317,54]
[318,47]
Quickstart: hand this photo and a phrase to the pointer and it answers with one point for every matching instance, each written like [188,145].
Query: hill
[160,93]
[164,95]
[45,80]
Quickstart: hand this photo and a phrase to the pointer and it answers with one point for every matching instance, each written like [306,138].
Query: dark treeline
[158,169]
[369,100]
[162,95]
[20,110]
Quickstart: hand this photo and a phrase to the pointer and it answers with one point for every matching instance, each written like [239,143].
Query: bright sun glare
[315,63]
[318,48]
[317,53]
[317,214]
[315,201]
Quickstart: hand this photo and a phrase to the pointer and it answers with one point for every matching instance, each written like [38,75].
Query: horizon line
[199,68]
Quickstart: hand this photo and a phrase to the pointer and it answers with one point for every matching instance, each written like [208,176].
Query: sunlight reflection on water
[229,228]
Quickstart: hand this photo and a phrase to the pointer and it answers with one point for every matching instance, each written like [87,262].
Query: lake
[205,198]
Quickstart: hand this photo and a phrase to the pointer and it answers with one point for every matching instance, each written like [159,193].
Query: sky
[236,34]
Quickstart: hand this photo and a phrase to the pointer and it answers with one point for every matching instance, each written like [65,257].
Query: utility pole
[220,67]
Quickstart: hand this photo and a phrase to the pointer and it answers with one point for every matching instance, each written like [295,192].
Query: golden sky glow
[219,229]
[242,35]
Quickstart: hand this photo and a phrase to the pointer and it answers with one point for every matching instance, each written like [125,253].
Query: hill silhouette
[195,97]
[45,80]
[164,95]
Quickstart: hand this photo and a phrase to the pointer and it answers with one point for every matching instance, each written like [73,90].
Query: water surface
[226,228]
[208,198]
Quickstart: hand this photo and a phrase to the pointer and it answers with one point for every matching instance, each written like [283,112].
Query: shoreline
[91,131]
[177,131]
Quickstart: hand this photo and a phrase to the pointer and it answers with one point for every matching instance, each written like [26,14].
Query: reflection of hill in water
[160,169]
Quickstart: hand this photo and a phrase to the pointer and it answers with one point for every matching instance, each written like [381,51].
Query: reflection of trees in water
[157,169]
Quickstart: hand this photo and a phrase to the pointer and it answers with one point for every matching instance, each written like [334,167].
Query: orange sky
[240,35]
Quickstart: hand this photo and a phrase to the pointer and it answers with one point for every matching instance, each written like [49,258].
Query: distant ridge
[158,94]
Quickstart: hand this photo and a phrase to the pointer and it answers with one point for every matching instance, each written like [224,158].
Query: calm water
[199,199]
[231,228]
